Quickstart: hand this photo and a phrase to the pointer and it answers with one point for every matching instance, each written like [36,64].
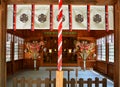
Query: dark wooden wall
[89,64]
[104,68]
[14,67]
[20,65]
[29,64]
[110,70]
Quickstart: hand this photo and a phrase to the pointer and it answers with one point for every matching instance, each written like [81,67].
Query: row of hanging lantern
[75,17]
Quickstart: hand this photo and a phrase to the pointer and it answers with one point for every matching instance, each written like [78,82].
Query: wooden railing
[51,83]
[22,82]
[89,82]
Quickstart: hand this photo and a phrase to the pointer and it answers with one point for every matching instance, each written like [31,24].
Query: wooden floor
[42,73]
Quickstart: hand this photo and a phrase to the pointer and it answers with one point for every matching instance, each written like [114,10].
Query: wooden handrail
[48,82]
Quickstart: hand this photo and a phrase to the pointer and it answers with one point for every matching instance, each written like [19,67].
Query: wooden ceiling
[76,33]
[99,2]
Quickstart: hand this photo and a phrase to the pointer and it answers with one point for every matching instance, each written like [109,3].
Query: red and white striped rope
[70,17]
[60,18]
[106,18]
[14,16]
[32,18]
[88,18]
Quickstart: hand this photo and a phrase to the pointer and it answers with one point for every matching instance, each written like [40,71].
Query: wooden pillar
[2,44]
[107,56]
[117,46]
[59,78]
[12,56]
[107,52]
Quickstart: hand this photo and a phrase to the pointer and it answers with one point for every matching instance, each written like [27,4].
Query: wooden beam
[100,2]
[117,47]
[28,34]
[59,78]
[2,45]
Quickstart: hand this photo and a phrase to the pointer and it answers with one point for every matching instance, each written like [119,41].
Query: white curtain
[100,10]
[66,16]
[9,16]
[82,10]
[45,10]
[26,10]
[111,18]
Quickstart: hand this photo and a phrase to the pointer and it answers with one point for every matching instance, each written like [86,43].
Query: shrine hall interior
[100,58]
[87,37]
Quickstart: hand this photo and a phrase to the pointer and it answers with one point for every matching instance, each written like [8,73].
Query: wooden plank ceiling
[101,2]
[79,33]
